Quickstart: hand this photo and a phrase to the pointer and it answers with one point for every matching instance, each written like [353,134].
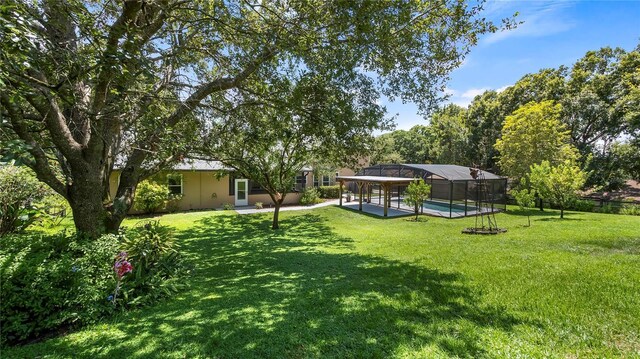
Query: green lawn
[335,283]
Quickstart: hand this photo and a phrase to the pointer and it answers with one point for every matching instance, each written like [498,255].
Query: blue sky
[554,33]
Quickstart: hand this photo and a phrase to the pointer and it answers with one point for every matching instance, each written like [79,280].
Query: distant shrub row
[329,191]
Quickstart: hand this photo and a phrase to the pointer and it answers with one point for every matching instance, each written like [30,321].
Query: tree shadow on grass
[534,213]
[558,219]
[297,292]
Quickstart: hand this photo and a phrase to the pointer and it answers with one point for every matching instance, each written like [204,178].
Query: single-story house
[210,184]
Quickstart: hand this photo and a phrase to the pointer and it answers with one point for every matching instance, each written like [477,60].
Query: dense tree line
[597,103]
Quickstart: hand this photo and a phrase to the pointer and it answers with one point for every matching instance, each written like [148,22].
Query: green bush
[630,209]
[227,207]
[173,202]
[309,197]
[150,197]
[19,190]
[329,191]
[583,205]
[53,209]
[607,208]
[53,281]
[259,205]
[157,265]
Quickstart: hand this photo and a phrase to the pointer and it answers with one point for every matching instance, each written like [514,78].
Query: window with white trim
[174,183]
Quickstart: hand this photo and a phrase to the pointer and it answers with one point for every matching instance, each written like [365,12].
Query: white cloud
[540,18]
[500,89]
[464,98]
[472,93]
[450,92]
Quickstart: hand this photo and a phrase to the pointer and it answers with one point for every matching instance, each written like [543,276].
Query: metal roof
[448,172]
[451,172]
[377,179]
[200,165]
[190,164]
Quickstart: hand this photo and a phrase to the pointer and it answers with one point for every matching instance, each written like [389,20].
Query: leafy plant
[19,190]
[150,248]
[259,205]
[557,184]
[173,202]
[417,192]
[151,197]
[606,208]
[583,205]
[310,197]
[329,191]
[227,207]
[525,198]
[54,208]
[53,281]
[630,209]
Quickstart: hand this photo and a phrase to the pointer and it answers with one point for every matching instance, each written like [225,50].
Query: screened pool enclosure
[454,192]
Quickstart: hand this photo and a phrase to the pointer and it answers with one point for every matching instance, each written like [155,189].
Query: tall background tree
[599,97]
[531,135]
[88,84]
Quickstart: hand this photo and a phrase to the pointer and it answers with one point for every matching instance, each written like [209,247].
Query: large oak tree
[88,84]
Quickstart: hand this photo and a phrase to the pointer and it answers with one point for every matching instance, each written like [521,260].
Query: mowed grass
[336,283]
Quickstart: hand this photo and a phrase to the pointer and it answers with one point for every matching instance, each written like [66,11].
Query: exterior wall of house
[332,177]
[199,187]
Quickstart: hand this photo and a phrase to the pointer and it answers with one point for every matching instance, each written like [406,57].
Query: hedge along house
[454,192]
[209,184]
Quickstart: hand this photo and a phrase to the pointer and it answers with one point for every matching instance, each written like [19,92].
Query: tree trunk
[276,212]
[93,211]
[561,212]
[529,220]
[89,215]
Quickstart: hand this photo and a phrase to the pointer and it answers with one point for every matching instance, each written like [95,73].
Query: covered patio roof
[384,181]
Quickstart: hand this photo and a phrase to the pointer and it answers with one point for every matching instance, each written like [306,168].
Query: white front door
[242,192]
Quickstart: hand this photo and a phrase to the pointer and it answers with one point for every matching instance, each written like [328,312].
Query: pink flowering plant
[121,267]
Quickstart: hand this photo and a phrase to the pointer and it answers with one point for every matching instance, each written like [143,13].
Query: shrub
[607,208]
[310,197]
[19,190]
[53,208]
[329,191]
[152,251]
[583,205]
[259,205]
[53,281]
[150,197]
[227,207]
[630,209]
[417,192]
[173,203]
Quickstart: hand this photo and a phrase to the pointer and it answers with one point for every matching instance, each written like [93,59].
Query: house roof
[200,165]
[190,164]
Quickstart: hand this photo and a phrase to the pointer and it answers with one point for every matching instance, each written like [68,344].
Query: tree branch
[41,166]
